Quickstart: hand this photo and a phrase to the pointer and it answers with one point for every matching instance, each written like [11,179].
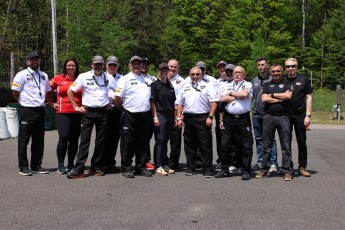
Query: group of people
[130,109]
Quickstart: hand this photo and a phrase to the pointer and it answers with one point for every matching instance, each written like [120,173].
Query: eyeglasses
[275,71]
[290,66]
[145,64]
[229,71]
[194,74]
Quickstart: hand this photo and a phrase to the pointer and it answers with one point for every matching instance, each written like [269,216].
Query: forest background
[237,31]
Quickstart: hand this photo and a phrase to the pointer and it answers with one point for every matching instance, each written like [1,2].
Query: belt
[236,116]
[95,109]
[278,114]
[137,113]
[195,114]
[297,112]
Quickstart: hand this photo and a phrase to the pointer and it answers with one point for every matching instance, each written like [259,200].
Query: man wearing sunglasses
[258,115]
[300,111]
[95,105]
[148,79]
[113,123]
[198,100]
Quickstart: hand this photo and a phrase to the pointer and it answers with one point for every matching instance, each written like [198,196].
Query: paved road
[176,201]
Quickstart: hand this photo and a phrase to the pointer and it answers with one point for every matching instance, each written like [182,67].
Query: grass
[323,102]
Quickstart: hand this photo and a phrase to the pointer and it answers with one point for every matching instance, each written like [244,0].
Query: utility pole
[303,23]
[323,50]
[55,57]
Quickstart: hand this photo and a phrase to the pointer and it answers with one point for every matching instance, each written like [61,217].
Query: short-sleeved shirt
[111,93]
[239,106]
[32,86]
[209,80]
[62,83]
[301,86]
[149,79]
[177,81]
[196,98]
[134,93]
[163,95]
[273,87]
[258,82]
[95,88]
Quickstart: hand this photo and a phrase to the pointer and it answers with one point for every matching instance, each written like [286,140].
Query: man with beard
[31,88]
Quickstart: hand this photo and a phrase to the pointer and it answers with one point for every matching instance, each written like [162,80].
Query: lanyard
[105,81]
[198,90]
[238,86]
[37,83]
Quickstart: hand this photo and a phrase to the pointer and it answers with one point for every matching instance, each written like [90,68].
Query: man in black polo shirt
[276,95]
[300,111]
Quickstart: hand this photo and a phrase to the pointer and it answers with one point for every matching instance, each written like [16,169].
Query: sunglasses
[194,74]
[290,66]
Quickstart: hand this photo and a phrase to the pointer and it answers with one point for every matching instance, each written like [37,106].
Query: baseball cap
[200,64]
[97,59]
[222,63]
[163,66]
[145,59]
[230,66]
[112,60]
[133,58]
[31,55]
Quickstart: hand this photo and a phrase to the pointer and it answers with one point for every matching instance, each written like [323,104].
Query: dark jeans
[162,136]
[31,125]
[230,147]
[175,147]
[197,134]
[68,126]
[113,137]
[282,125]
[297,123]
[134,139]
[258,132]
[97,117]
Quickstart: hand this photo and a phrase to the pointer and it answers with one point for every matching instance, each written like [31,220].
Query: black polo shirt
[273,87]
[301,86]
[163,95]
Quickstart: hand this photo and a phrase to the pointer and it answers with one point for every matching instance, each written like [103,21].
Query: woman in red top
[68,120]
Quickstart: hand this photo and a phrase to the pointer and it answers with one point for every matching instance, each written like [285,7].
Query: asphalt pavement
[177,201]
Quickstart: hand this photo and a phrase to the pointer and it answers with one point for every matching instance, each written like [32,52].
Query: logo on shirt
[14,84]
[89,83]
[178,81]
[30,78]
[298,83]
[118,90]
[202,87]
[281,86]
[43,77]
[73,84]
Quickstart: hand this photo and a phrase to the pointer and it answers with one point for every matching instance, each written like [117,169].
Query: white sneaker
[161,171]
[232,169]
[273,169]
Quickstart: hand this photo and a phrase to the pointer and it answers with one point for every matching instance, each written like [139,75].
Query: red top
[62,83]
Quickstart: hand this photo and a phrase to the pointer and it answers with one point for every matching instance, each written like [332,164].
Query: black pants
[162,136]
[68,125]
[218,137]
[31,125]
[240,126]
[280,123]
[151,130]
[197,134]
[134,139]
[297,123]
[112,137]
[97,117]
[175,147]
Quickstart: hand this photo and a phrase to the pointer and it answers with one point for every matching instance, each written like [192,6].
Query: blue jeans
[258,132]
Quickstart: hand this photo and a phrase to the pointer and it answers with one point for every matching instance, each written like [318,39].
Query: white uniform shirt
[224,86]
[196,98]
[134,92]
[149,79]
[240,106]
[95,88]
[32,87]
[210,80]
[177,81]
[111,92]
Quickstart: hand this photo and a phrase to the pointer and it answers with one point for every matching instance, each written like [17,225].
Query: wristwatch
[209,116]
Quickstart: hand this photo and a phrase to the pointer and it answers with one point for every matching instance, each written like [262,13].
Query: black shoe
[40,170]
[25,172]
[189,172]
[245,176]
[208,174]
[62,169]
[112,169]
[96,172]
[128,174]
[75,174]
[144,173]
[257,167]
[198,165]
[219,165]
[222,174]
